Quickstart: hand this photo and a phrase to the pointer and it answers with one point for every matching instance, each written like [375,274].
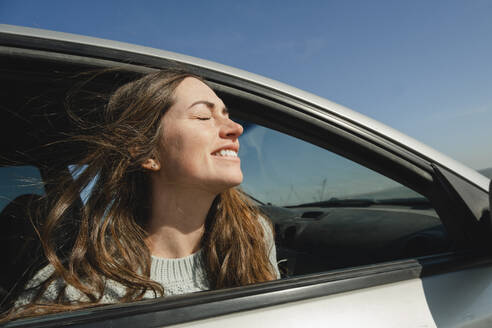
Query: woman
[163,216]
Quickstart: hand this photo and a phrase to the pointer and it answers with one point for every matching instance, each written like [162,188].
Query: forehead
[192,89]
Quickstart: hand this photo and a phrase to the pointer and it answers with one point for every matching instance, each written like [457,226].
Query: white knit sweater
[177,276]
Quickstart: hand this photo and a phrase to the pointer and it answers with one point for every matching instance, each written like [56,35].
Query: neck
[177,221]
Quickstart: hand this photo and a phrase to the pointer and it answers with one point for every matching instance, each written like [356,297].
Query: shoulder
[40,276]
[112,293]
[33,285]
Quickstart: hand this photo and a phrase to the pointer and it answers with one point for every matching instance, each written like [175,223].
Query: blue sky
[422,67]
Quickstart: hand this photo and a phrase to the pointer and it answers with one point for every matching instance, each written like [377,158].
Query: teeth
[226,153]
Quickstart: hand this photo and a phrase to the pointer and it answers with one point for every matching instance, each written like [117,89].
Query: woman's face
[199,141]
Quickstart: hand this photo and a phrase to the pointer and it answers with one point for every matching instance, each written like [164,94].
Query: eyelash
[203,118]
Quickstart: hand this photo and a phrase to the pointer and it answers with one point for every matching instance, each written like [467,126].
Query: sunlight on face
[199,140]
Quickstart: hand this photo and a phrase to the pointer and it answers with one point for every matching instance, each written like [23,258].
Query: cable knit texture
[177,276]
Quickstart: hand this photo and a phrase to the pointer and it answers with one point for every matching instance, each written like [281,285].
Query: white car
[373,228]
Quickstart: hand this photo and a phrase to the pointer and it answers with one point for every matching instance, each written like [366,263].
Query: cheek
[184,152]
[194,152]
[170,152]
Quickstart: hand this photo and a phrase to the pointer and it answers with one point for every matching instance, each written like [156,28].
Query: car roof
[330,107]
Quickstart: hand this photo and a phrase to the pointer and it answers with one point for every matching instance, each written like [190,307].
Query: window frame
[366,149]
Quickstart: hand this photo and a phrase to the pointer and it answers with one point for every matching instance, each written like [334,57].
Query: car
[373,228]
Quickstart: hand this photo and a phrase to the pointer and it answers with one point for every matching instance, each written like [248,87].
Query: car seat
[20,249]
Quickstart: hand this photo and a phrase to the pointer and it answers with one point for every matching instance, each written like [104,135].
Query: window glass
[75,171]
[19,180]
[283,170]
[330,212]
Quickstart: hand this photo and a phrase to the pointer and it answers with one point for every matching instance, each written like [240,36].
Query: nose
[231,129]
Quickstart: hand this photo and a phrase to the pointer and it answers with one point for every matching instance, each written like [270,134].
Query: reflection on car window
[330,212]
[283,171]
[18,180]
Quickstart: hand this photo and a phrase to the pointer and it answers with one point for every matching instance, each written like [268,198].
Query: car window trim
[190,307]
[388,160]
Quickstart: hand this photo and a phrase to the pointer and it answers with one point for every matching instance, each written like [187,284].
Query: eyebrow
[209,104]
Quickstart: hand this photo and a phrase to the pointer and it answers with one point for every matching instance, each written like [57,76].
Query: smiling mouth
[226,153]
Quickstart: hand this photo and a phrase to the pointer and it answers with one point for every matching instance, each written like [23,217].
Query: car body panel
[457,299]
[326,105]
[460,299]
[362,308]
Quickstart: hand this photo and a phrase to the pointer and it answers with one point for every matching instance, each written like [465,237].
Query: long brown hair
[109,243]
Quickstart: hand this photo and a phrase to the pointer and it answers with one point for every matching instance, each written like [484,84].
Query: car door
[372,228]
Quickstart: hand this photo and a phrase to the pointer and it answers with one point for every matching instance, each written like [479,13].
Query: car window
[16,181]
[330,212]
[75,171]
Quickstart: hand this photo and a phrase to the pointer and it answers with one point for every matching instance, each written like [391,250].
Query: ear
[151,164]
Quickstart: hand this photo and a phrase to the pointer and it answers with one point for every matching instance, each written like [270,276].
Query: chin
[238,179]
[229,183]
